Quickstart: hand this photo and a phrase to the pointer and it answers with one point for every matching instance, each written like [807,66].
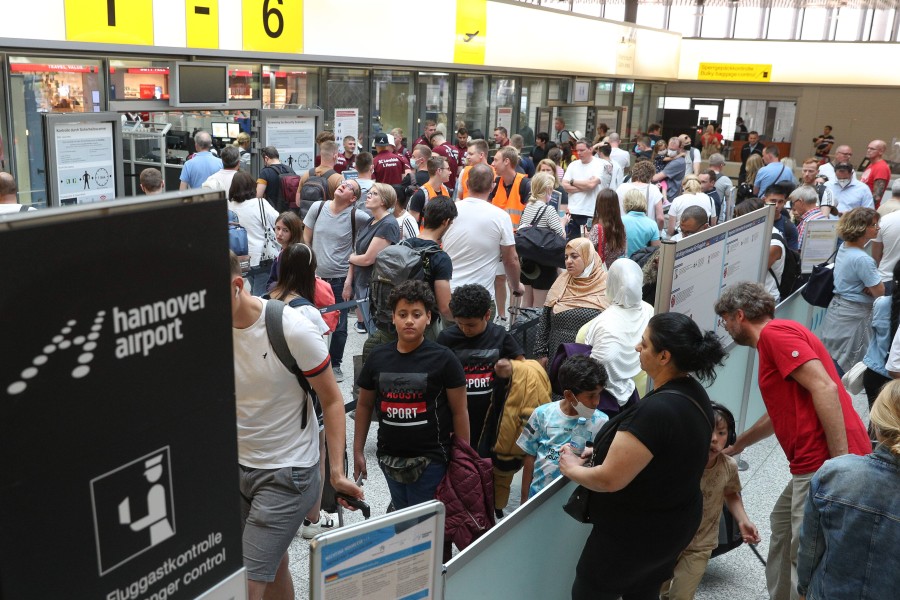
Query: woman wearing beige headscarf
[577,296]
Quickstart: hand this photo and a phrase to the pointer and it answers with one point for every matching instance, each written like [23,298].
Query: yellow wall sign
[471,32]
[734,72]
[201,18]
[110,21]
[273,25]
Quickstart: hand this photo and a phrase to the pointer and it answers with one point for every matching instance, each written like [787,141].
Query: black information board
[118,432]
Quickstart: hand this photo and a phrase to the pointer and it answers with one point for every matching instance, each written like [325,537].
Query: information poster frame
[819,243]
[106,166]
[378,544]
[716,265]
[277,126]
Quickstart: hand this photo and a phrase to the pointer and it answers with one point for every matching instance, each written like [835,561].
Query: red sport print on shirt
[403,398]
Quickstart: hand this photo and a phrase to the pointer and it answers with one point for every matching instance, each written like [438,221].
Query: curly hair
[752,298]
[470,301]
[581,373]
[412,291]
[853,224]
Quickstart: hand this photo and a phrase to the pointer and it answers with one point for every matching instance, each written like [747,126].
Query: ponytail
[692,350]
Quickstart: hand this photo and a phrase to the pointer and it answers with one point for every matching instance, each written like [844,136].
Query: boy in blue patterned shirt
[550,427]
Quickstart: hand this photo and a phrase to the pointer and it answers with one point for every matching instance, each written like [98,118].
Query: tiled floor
[737,575]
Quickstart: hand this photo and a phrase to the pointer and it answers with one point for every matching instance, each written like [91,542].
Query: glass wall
[433,98]
[243,81]
[139,79]
[504,110]
[346,88]
[472,103]
[290,86]
[392,99]
[39,85]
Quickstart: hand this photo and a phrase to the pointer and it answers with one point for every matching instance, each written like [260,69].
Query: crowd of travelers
[431,247]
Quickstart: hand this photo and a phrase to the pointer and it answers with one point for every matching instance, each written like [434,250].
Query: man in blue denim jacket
[851,527]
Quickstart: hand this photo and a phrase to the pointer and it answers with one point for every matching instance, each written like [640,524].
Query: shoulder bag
[819,288]
[541,245]
[270,247]
[578,505]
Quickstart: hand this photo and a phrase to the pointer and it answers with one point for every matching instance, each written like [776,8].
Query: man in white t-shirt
[9,199]
[583,181]
[641,174]
[231,164]
[886,249]
[277,455]
[480,233]
[618,156]
[776,264]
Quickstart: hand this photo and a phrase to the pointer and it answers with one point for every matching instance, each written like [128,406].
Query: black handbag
[541,245]
[819,289]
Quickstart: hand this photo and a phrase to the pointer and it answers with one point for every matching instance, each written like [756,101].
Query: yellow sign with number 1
[273,25]
[110,21]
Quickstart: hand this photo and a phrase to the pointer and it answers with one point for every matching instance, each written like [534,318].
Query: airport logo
[138,331]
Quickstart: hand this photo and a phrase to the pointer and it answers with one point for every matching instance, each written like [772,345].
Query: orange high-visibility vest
[429,194]
[513,203]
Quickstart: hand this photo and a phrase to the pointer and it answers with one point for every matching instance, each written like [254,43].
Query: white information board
[85,165]
[819,242]
[295,139]
[504,118]
[694,271]
[346,122]
[397,555]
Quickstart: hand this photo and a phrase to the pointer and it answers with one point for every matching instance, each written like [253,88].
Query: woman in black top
[646,504]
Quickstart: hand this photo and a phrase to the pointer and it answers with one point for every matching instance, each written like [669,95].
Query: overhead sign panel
[734,72]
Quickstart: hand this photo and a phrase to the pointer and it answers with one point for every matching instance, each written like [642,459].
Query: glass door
[39,85]
[433,104]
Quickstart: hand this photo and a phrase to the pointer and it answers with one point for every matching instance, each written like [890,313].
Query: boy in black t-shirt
[417,389]
[479,344]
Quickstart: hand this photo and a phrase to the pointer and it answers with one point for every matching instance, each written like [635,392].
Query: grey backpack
[393,265]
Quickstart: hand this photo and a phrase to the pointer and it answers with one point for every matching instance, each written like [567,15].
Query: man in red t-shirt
[439,145]
[807,408]
[388,167]
[430,128]
[878,174]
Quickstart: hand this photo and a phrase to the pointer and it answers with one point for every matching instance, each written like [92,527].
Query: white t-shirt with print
[651,194]
[269,398]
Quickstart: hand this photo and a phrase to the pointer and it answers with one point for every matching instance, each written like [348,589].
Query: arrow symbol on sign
[471,36]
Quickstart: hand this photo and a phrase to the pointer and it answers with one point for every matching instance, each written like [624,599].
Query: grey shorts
[274,503]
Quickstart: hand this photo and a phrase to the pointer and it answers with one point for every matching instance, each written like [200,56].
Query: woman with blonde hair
[710,142]
[537,278]
[243,145]
[576,297]
[690,196]
[754,164]
[852,516]
[381,231]
[845,329]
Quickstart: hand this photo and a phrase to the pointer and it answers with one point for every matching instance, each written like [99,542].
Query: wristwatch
[572,182]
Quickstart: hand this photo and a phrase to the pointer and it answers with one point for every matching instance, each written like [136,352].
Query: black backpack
[314,189]
[744,191]
[790,276]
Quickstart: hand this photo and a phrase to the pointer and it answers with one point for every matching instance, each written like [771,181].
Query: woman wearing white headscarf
[614,334]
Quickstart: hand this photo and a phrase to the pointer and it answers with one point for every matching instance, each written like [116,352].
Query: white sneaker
[326,523]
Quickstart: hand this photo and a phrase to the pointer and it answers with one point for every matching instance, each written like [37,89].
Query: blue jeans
[423,490]
[339,337]
[258,277]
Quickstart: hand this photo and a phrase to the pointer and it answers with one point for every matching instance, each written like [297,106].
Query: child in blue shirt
[550,426]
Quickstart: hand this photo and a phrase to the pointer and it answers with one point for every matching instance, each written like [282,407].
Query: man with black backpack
[268,185]
[320,183]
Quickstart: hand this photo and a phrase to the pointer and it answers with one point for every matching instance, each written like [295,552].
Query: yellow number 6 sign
[273,25]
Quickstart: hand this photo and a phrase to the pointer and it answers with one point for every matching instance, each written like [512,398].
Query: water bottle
[580,436]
